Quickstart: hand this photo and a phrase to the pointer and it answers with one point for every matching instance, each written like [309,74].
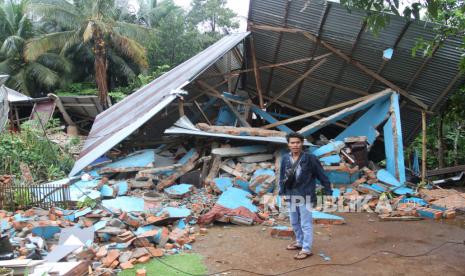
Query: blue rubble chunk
[336,192]
[187,156]
[415,200]
[125,204]
[187,246]
[243,184]
[325,258]
[333,146]
[107,191]
[4,225]
[234,198]
[259,173]
[141,158]
[82,188]
[82,212]
[332,159]
[181,224]
[385,177]
[46,232]
[223,183]
[143,229]
[372,188]
[179,190]
[100,225]
[175,212]
[281,227]
[403,190]
[378,187]
[123,188]
[320,215]
[18,217]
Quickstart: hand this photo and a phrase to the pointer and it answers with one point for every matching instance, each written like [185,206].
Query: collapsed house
[77,112]
[203,142]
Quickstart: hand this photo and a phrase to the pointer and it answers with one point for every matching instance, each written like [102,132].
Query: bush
[46,160]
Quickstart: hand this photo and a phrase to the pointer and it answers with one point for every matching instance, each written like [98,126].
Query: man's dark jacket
[304,184]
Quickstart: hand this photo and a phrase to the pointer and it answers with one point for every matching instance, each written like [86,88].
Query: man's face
[295,145]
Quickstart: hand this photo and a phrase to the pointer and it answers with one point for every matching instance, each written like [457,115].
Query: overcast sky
[240,7]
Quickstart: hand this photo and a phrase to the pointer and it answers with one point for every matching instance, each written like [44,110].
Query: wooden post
[181,106]
[258,80]
[423,146]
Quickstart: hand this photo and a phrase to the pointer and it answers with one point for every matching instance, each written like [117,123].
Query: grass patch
[191,263]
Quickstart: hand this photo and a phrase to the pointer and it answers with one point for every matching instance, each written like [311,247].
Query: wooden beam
[344,66]
[345,57]
[423,147]
[341,87]
[420,69]
[268,66]
[326,121]
[317,112]
[202,113]
[239,117]
[278,47]
[295,108]
[447,89]
[324,15]
[298,80]
[62,109]
[258,79]
[394,46]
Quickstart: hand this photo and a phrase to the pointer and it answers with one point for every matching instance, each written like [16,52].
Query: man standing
[299,171]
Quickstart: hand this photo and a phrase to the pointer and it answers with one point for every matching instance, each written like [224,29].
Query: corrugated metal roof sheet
[340,28]
[123,118]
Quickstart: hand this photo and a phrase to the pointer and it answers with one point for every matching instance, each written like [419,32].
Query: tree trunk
[100,66]
[441,140]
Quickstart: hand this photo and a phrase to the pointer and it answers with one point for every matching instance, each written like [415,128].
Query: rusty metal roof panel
[119,121]
[340,28]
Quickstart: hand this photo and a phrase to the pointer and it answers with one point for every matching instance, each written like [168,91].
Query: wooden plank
[317,112]
[328,120]
[258,79]
[202,113]
[297,81]
[423,147]
[242,120]
[239,151]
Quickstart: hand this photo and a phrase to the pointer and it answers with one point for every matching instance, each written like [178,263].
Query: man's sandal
[294,246]
[302,255]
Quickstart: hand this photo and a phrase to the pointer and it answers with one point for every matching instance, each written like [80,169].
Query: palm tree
[93,24]
[30,77]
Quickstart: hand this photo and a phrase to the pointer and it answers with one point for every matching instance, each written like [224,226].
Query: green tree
[214,15]
[30,76]
[93,27]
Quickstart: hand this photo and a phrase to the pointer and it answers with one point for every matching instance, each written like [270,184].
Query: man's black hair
[295,135]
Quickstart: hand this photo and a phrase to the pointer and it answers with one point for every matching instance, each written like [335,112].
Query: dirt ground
[252,248]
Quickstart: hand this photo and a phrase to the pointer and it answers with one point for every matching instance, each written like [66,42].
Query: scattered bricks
[203,231]
[126,265]
[139,252]
[114,264]
[449,214]
[110,258]
[329,221]
[130,219]
[428,213]
[282,231]
[152,219]
[155,252]
[143,259]
[141,272]
[125,257]
[141,242]
[359,181]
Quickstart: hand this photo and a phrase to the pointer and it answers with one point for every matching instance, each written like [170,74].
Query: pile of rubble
[157,202]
